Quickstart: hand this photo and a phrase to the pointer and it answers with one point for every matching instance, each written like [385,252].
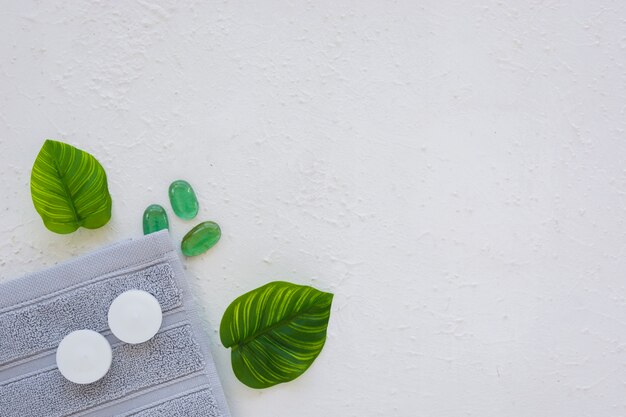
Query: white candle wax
[135,316]
[84,356]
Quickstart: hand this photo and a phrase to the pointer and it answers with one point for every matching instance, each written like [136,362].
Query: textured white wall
[453,171]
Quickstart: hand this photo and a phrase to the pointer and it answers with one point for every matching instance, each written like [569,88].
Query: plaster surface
[453,171]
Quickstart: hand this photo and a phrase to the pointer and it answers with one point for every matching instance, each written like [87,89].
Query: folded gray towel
[171,375]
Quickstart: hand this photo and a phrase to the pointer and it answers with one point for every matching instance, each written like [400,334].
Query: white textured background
[455,172]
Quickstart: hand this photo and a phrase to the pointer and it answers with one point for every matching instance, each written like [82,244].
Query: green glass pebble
[154,219]
[201,238]
[183,200]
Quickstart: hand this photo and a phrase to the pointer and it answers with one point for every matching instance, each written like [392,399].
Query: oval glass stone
[201,238]
[183,200]
[154,219]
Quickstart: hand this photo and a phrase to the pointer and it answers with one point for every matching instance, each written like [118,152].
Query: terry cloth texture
[171,375]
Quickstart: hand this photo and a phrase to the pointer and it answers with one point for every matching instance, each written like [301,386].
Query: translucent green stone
[154,219]
[201,238]
[183,200]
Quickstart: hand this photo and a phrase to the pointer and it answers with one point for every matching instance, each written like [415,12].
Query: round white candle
[84,356]
[135,316]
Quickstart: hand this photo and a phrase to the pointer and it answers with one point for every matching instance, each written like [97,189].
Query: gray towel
[171,375]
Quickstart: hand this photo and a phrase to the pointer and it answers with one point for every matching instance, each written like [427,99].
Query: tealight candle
[84,356]
[135,316]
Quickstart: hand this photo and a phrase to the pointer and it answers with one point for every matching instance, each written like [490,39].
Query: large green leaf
[275,332]
[69,188]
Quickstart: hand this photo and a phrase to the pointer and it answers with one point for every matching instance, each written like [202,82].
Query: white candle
[84,356]
[135,316]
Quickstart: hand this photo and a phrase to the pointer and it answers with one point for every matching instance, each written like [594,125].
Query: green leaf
[69,188]
[275,332]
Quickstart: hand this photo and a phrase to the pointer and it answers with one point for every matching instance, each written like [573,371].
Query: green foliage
[275,332]
[69,188]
